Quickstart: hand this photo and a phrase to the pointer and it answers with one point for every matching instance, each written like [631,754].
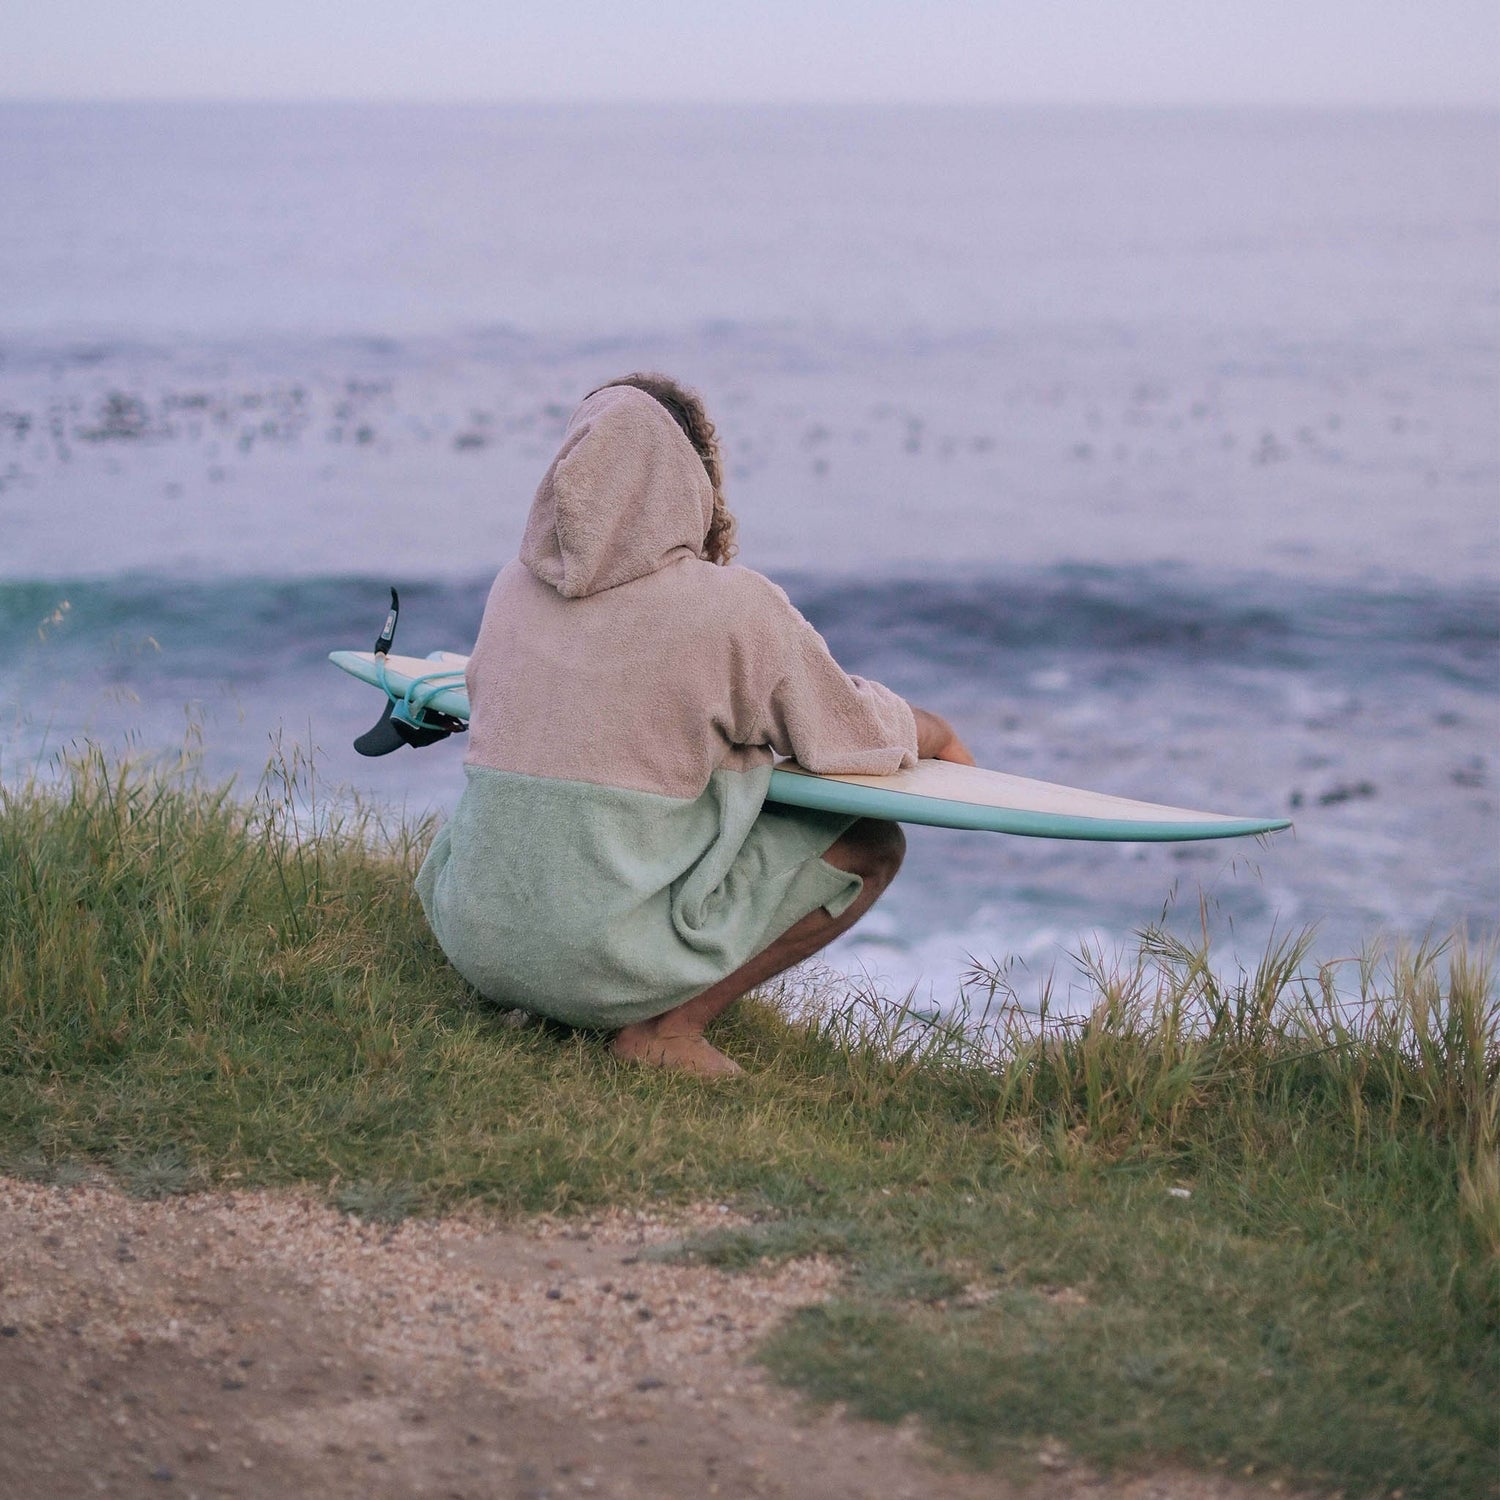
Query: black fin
[391,732]
[383,737]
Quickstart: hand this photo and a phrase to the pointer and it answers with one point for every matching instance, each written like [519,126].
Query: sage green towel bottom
[600,906]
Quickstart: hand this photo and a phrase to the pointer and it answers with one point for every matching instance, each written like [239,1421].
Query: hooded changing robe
[611,855]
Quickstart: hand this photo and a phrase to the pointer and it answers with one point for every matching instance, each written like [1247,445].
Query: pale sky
[1297,52]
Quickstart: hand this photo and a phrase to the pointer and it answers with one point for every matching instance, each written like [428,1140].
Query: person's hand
[936,739]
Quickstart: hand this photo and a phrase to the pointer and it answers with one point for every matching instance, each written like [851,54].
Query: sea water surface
[1159,451]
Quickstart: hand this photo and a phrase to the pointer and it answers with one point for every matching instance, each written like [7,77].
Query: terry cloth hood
[626,494]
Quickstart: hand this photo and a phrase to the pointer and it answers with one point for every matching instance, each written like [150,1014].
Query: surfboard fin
[382,738]
[394,728]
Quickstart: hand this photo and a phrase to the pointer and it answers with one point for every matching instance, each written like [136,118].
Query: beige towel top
[612,653]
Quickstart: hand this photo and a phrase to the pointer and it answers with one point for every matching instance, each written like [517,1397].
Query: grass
[1247,1224]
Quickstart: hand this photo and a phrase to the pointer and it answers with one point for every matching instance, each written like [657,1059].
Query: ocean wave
[1142,619]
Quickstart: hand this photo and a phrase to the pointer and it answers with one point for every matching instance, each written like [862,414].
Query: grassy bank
[1243,1225]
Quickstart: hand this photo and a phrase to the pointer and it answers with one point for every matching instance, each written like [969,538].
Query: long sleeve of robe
[612,854]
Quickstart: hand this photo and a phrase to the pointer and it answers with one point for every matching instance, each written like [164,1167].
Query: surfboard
[933,792]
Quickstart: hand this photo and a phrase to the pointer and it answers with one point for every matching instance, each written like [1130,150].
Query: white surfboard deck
[933,792]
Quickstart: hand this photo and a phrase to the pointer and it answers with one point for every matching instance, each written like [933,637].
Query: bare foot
[689,1053]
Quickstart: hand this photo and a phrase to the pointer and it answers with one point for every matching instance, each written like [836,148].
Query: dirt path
[264,1346]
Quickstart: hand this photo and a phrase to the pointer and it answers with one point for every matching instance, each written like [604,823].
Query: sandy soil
[262,1345]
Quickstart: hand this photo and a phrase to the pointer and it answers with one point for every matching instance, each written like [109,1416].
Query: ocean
[1160,451]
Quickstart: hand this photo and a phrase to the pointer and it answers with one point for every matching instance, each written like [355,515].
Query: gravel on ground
[264,1345]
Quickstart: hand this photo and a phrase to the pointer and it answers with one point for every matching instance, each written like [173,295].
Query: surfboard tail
[406,720]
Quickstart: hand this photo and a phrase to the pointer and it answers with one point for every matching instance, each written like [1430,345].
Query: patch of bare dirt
[262,1345]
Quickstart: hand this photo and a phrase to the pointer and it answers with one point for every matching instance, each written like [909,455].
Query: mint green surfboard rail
[437,682]
[801,789]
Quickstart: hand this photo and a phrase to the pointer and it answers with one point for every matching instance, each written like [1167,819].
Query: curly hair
[686,408]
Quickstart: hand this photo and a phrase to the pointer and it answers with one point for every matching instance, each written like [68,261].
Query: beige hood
[626,494]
